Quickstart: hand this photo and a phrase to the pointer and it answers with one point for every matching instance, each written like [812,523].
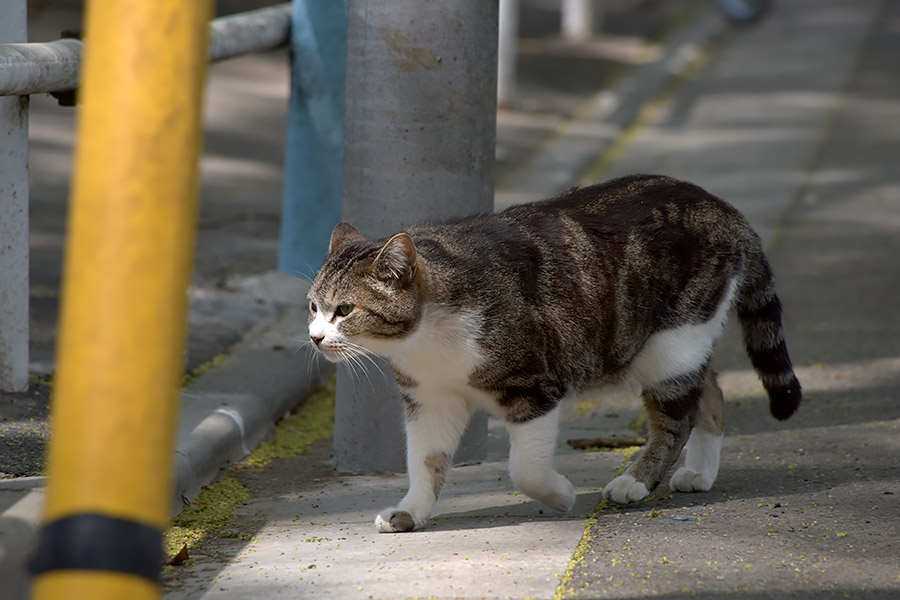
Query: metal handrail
[46,67]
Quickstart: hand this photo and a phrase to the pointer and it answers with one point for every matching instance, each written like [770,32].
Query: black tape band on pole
[99,543]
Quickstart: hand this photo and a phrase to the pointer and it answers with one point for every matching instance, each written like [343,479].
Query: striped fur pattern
[629,281]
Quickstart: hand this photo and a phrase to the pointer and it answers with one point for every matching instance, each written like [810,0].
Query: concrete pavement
[796,123]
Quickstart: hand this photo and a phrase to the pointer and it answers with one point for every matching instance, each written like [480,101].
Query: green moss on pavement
[209,365]
[296,433]
[212,511]
[208,514]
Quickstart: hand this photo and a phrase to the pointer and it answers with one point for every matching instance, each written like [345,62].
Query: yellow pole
[128,263]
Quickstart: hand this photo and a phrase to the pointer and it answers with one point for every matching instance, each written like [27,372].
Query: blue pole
[313,168]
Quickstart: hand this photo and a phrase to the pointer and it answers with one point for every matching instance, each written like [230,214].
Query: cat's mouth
[339,349]
[332,357]
[329,354]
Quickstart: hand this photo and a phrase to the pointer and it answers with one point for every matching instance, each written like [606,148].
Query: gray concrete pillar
[13,216]
[419,145]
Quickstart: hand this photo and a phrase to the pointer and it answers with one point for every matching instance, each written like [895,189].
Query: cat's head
[366,297]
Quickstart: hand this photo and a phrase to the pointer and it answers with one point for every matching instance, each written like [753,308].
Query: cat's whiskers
[312,356]
[308,345]
[353,355]
[354,367]
[363,352]
[349,365]
[301,277]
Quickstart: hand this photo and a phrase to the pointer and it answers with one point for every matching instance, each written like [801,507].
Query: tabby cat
[629,281]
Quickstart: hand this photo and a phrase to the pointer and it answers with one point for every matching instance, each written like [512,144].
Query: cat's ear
[343,233]
[397,259]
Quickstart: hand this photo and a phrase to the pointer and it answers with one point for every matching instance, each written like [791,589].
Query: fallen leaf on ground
[180,558]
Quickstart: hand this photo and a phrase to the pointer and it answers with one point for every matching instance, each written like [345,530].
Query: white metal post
[13,216]
[507,48]
[577,19]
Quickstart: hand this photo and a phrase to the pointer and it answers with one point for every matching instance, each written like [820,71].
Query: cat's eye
[344,309]
[312,307]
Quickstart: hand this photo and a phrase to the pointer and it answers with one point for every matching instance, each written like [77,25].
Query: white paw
[563,498]
[552,490]
[624,489]
[688,480]
[394,520]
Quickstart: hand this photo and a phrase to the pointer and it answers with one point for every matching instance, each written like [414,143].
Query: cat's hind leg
[433,432]
[671,407]
[701,461]
[531,447]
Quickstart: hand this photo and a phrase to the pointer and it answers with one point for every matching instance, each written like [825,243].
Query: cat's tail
[759,312]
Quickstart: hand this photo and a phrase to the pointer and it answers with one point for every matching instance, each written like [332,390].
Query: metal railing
[54,67]
[45,67]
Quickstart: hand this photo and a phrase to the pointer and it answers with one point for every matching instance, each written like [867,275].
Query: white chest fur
[440,355]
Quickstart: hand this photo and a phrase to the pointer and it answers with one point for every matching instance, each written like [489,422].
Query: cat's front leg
[531,448]
[432,436]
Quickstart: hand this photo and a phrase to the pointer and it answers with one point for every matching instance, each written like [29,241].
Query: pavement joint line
[640,87]
[652,109]
[578,555]
[830,123]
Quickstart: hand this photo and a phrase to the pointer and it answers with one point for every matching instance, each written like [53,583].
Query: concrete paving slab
[486,540]
[805,513]
[749,127]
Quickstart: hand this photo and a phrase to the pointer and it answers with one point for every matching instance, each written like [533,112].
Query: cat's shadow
[787,477]
[528,511]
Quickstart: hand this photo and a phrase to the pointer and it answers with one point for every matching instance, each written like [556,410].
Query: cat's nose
[316,340]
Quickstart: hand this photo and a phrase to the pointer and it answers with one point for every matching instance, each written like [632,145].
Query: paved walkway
[797,122]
